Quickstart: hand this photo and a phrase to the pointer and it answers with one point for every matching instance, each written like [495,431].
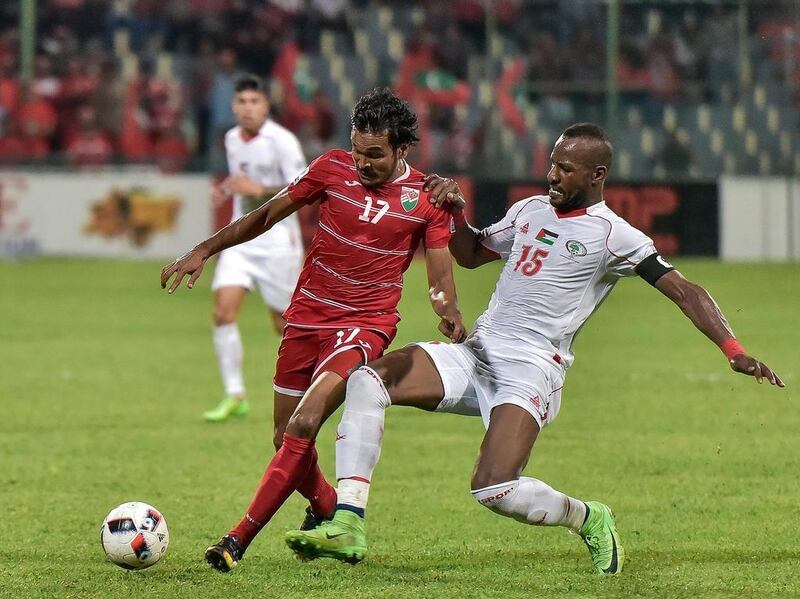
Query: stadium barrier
[138,214]
[760,218]
[121,214]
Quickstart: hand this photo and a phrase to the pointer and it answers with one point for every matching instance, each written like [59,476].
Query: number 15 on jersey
[529,264]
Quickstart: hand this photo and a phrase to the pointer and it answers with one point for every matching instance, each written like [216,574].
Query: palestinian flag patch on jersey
[409,198]
[546,236]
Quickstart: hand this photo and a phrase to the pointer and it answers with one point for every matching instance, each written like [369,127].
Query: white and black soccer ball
[134,535]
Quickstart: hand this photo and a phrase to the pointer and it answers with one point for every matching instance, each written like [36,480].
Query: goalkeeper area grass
[103,379]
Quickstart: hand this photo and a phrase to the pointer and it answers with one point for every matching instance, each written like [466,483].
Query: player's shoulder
[618,230]
[233,135]
[529,205]
[603,212]
[277,132]
[336,159]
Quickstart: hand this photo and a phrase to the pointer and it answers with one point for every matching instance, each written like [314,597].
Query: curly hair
[381,110]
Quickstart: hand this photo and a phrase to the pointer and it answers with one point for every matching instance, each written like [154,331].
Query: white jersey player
[263,158]
[563,254]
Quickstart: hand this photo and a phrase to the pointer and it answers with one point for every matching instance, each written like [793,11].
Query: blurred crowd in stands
[148,81]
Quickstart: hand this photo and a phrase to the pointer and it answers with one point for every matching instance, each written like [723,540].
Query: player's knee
[304,424]
[498,497]
[224,315]
[366,385]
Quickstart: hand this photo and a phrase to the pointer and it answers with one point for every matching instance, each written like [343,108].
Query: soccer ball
[134,535]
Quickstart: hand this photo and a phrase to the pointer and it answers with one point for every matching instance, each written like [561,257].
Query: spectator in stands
[674,156]
[108,98]
[661,67]
[45,83]
[451,51]
[586,56]
[546,61]
[36,116]
[89,146]
[170,150]
[9,87]
[720,29]
[77,86]
[17,148]
[219,104]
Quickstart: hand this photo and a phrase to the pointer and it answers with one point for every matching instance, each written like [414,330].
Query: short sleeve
[309,186]
[627,247]
[437,232]
[499,237]
[291,158]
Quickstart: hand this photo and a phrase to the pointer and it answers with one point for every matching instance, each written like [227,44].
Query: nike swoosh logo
[352,183]
[339,534]
[612,568]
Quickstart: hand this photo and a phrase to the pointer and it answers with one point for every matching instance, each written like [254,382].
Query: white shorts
[275,276]
[473,387]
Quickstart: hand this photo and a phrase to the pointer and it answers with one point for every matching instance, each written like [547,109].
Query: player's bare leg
[229,351]
[294,467]
[282,409]
[404,377]
[498,485]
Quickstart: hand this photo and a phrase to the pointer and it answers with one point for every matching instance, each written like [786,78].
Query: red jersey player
[373,215]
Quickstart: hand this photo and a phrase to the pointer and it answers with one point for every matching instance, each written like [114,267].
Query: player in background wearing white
[263,158]
[563,254]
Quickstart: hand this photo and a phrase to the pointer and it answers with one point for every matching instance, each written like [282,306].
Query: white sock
[359,436]
[228,345]
[533,502]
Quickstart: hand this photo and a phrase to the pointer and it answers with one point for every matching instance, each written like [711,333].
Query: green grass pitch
[103,378]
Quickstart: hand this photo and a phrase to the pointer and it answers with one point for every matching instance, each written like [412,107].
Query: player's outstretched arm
[703,311]
[442,289]
[248,227]
[465,244]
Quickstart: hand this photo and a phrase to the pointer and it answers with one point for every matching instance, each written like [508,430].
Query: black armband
[652,268]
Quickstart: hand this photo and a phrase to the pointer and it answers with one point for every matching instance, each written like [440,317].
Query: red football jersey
[366,238]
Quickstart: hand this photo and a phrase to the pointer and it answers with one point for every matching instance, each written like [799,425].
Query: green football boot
[343,538]
[599,532]
[229,406]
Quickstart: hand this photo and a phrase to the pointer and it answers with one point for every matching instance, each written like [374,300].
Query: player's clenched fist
[191,263]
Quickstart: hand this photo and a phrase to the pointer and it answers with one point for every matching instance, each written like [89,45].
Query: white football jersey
[559,269]
[273,158]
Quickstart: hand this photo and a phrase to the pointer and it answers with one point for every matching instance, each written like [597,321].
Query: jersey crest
[576,248]
[409,198]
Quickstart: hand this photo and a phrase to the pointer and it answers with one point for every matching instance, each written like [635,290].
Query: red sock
[320,494]
[287,469]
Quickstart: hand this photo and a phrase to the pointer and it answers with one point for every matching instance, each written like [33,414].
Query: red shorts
[305,353]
